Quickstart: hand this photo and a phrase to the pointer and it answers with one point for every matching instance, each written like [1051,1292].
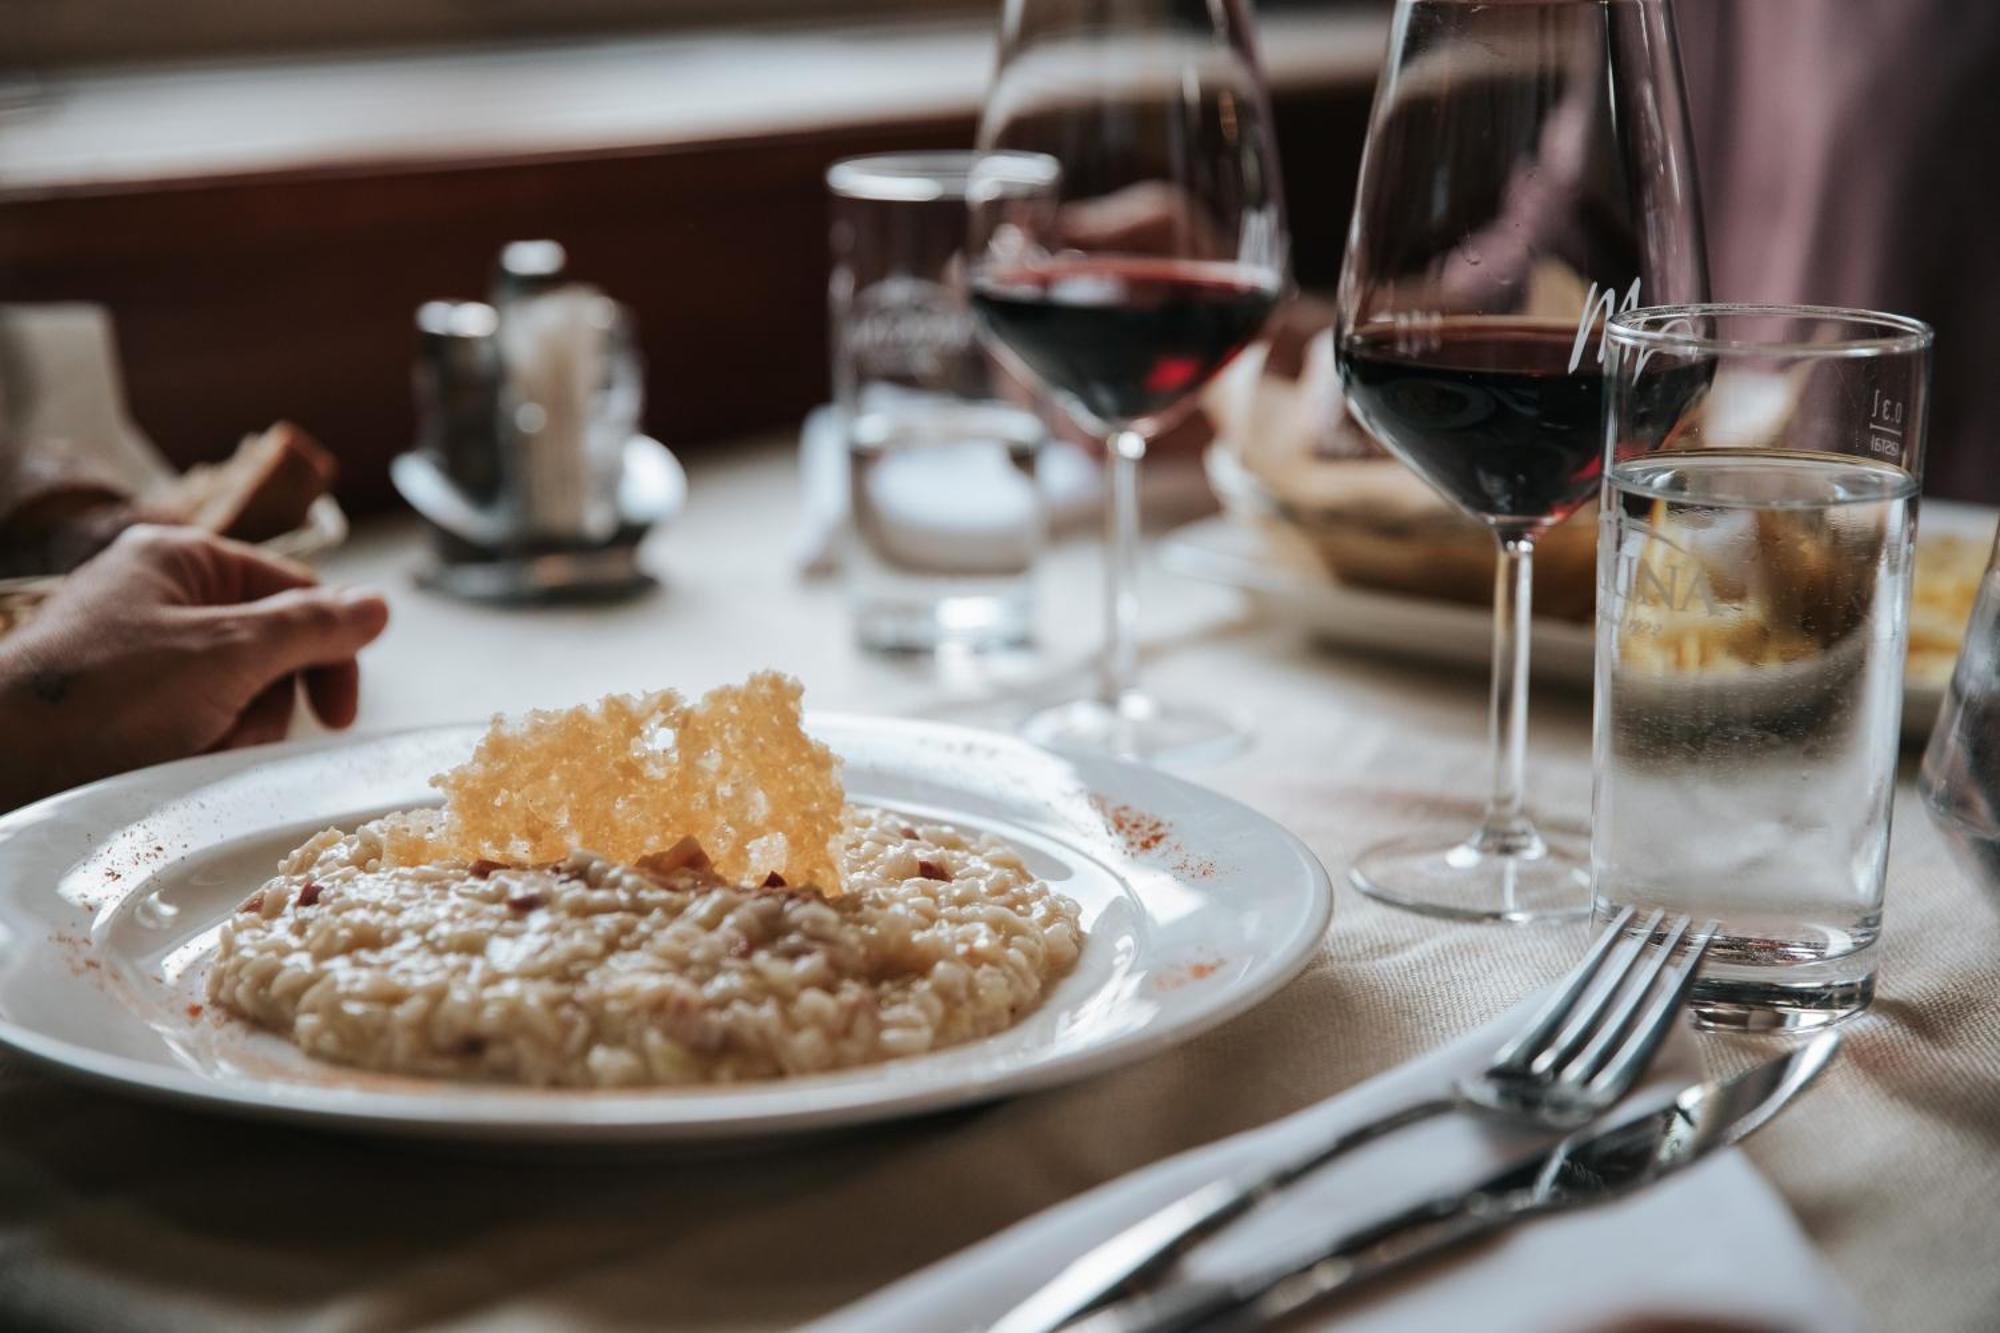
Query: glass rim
[1892,334]
[933,175]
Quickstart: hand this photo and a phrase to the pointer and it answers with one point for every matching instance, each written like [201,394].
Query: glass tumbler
[1961,773]
[947,516]
[1762,466]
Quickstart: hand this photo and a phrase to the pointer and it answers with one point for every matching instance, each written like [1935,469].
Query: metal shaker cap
[529,268]
[457,320]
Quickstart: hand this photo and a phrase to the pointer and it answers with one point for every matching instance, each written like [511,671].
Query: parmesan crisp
[632,775]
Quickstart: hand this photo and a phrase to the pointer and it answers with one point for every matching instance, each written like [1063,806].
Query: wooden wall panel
[240,301]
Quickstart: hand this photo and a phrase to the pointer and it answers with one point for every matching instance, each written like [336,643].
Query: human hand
[172,643]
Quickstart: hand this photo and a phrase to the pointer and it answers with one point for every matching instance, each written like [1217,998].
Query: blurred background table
[126,1216]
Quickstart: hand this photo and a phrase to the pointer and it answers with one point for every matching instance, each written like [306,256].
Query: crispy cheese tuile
[632,776]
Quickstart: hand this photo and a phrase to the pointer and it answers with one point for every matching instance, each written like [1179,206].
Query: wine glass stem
[1507,830]
[1120,671]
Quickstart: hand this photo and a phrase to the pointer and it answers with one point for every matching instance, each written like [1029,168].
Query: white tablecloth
[117,1215]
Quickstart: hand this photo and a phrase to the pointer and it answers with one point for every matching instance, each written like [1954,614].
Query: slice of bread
[55,515]
[259,492]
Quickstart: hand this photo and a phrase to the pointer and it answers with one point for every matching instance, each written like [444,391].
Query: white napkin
[62,396]
[1714,1242]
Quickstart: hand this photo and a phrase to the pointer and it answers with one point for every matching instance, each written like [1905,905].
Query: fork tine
[1590,1016]
[1612,1031]
[1637,1053]
[1515,1057]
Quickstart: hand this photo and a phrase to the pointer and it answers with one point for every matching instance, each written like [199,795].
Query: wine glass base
[1425,873]
[1139,727]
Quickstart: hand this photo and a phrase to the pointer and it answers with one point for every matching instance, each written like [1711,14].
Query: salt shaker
[530,465]
[568,415]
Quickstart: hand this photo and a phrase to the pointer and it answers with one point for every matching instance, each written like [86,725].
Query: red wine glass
[1164,253]
[1527,174]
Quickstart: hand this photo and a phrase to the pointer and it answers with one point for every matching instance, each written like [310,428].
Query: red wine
[1489,411]
[1126,338]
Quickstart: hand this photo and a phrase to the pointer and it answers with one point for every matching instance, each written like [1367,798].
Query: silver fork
[1575,1058]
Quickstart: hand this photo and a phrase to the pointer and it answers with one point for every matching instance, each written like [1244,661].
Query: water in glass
[947,519]
[1752,608]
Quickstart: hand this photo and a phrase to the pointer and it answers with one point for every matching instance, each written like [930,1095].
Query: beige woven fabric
[117,1215]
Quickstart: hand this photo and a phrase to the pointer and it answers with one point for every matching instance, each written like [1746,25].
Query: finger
[1148,218]
[206,570]
[335,693]
[1291,332]
[1116,224]
[252,572]
[304,627]
[267,718]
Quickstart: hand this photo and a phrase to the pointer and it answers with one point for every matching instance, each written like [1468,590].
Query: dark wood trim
[96,33]
[241,301]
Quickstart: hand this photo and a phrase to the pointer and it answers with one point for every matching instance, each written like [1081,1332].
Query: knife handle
[1178,1309]
[1399,1242]
[1253,1302]
[1149,1245]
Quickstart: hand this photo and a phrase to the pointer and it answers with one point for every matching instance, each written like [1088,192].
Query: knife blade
[1593,1166]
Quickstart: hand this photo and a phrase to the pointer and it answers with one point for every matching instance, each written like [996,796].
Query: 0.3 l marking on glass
[1885,426]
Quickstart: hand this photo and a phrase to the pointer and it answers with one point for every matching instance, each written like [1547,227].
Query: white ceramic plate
[1220,550]
[110,897]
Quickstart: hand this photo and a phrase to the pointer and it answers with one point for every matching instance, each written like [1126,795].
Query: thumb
[304,627]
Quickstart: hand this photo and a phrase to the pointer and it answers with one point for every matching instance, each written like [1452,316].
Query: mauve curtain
[1849,153]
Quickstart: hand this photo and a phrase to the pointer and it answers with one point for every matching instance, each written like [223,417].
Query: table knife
[1593,1166]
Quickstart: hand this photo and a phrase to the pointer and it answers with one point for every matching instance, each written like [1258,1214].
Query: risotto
[588,973]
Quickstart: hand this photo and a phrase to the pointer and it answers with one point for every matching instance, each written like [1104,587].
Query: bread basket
[1288,461]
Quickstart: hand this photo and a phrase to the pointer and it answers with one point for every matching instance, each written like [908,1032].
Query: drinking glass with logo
[1167,253]
[1527,173]
[946,513]
[1761,475]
